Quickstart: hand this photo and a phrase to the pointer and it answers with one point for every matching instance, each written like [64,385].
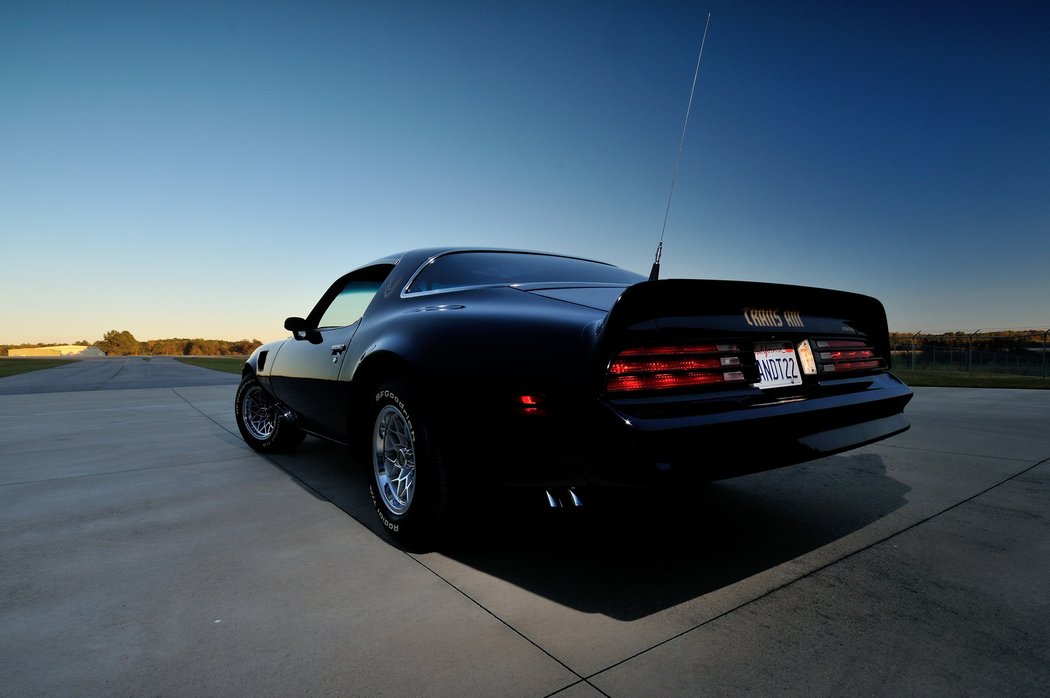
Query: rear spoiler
[687,307]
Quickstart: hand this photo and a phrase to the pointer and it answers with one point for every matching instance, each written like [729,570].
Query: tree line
[123,343]
[999,340]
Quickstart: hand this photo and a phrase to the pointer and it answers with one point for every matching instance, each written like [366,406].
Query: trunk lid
[686,336]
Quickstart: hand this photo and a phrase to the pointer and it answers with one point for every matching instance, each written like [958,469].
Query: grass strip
[937,378]
[226,364]
[12,367]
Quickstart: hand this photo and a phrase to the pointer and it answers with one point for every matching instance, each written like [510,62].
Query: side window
[348,307]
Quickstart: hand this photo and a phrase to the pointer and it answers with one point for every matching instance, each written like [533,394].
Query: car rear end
[711,379]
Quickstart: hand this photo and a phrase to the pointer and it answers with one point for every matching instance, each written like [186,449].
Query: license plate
[777,365]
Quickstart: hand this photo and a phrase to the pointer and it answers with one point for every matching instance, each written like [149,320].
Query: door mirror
[301,329]
[296,324]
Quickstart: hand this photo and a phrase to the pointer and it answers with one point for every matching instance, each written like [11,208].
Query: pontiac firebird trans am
[453,368]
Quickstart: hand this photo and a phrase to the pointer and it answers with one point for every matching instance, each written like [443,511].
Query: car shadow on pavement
[628,555]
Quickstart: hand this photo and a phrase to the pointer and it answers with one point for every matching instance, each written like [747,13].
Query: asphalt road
[145,550]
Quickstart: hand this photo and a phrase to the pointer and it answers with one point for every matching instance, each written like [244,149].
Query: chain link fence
[1019,353]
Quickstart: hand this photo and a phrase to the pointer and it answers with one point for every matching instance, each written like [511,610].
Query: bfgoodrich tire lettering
[408,488]
[260,422]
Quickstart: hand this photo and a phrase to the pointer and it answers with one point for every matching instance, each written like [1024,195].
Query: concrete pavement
[145,550]
[114,373]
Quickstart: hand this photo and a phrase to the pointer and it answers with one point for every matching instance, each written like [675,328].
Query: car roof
[418,257]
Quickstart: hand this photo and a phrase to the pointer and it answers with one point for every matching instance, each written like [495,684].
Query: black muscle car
[448,368]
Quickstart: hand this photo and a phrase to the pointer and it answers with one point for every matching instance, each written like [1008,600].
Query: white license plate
[777,365]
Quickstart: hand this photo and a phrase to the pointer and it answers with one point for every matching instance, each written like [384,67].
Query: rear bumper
[648,444]
[645,451]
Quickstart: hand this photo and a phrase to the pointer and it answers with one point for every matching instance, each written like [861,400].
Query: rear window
[461,269]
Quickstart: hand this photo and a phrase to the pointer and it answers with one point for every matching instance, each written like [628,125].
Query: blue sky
[206,169]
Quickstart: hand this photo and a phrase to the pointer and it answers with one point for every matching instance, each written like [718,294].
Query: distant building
[64,350]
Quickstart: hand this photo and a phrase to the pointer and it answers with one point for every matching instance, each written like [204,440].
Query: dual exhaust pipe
[563,498]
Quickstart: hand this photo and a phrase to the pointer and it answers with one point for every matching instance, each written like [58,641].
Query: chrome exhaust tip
[559,499]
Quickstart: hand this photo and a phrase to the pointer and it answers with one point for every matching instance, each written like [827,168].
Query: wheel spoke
[394,460]
[259,413]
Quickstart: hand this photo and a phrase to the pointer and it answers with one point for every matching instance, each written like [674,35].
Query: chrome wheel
[259,413]
[394,459]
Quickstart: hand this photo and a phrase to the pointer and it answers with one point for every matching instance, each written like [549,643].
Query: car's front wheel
[409,489]
[259,420]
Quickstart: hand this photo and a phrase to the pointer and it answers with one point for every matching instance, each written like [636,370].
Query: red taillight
[660,381]
[531,404]
[620,366]
[836,355]
[850,366]
[666,366]
[847,355]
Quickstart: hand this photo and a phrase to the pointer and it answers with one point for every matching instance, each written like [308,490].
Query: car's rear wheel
[409,488]
[260,422]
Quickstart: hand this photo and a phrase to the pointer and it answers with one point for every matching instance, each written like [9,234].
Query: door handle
[337,349]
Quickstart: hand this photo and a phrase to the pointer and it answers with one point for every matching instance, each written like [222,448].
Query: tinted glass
[487,268]
[348,307]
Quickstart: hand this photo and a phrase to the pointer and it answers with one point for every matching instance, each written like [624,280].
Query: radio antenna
[654,274]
